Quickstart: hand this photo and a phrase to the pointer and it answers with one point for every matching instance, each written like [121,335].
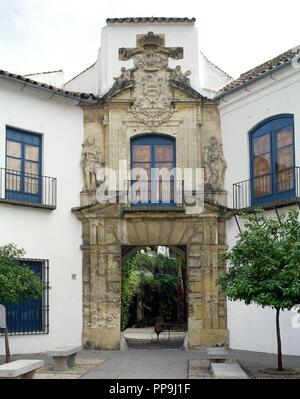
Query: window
[30,317]
[153,152]
[23,166]
[273,160]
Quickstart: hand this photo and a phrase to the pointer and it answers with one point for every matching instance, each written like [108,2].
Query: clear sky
[44,35]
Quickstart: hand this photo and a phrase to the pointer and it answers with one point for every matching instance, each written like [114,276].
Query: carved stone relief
[151,75]
[177,75]
[124,77]
[215,165]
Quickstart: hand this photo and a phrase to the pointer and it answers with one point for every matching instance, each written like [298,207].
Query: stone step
[230,371]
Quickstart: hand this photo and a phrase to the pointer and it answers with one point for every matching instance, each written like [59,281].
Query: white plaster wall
[43,234]
[86,82]
[99,78]
[115,36]
[242,111]
[55,79]
[211,77]
[253,328]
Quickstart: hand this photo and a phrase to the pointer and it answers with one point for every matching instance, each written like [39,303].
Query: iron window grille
[31,317]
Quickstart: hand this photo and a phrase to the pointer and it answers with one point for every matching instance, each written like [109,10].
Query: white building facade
[262,105]
[42,134]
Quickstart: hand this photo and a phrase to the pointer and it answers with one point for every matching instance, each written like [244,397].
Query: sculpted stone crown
[151,40]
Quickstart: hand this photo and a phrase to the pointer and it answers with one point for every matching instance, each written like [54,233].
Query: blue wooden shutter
[23,166]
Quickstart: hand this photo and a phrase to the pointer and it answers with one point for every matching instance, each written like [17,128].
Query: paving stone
[223,371]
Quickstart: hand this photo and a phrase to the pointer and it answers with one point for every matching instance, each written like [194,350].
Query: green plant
[16,282]
[265,265]
[156,277]
[130,282]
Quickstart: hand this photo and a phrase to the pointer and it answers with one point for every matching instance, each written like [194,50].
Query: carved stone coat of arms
[152,92]
[152,103]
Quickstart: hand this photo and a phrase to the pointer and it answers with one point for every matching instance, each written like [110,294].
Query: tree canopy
[265,262]
[265,265]
[17,281]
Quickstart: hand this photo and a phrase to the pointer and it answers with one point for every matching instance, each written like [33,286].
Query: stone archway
[106,228]
[128,251]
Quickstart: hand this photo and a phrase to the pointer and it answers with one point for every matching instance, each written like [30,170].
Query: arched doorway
[154,309]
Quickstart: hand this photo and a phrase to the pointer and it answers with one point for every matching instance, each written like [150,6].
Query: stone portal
[152,98]
[106,229]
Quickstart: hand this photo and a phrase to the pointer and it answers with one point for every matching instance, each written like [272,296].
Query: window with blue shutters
[23,181]
[30,316]
[272,156]
[153,154]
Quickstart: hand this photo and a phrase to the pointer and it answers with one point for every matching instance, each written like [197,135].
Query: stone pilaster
[103,299]
[207,324]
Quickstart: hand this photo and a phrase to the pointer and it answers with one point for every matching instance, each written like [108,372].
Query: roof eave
[44,88]
[253,80]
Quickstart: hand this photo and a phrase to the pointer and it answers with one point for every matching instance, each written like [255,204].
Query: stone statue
[124,77]
[91,163]
[178,75]
[215,165]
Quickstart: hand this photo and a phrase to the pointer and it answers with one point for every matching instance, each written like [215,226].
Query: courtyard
[149,193]
[159,364]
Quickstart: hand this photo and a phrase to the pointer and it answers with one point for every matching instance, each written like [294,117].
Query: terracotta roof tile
[43,73]
[135,20]
[53,89]
[260,70]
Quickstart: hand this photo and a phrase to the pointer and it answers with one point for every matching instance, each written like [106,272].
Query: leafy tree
[154,278]
[16,282]
[265,265]
[130,282]
[180,293]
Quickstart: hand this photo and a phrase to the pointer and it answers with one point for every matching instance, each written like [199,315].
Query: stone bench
[223,371]
[64,358]
[217,355]
[20,369]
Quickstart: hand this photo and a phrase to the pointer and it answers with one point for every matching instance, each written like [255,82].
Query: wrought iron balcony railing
[27,189]
[170,195]
[150,194]
[265,190]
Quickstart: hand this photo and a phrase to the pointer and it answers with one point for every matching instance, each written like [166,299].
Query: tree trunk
[279,352]
[140,306]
